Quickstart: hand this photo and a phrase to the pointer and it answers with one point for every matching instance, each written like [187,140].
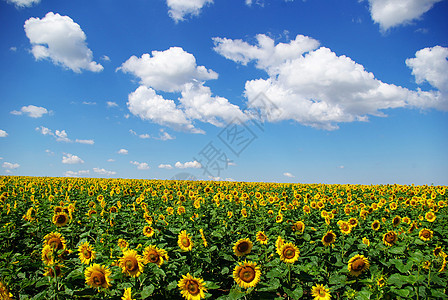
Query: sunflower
[358,264]
[60,219]
[148,231]
[279,218]
[247,274]
[376,225]
[430,216]
[127,294]
[152,254]
[242,247]
[262,238]
[345,227]
[50,272]
[437,251]
[55,240]
[86,253]
[289,253]
[131,263]
[48,255]
[298,226]
[396,221]
[390,238]
[204,240]
[306,209]
[184,241]
[381,281]
[320,292]
[98,276]
[329,238]
[123,244]
[192,288]
[4,292]
[365,241]
[353,222]
[278,244]
[425,234]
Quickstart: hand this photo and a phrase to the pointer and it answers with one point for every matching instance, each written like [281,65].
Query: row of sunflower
[73,238]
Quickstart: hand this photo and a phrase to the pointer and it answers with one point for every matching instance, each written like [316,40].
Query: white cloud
[23,3]
[167,70]
[122,151]
[71,159]
[31,110]
[144,136]
[391,13]
[132,132]
[76,174]
[88,142]
[10,166]
[61,40]
[145,103]
[189,164]
[88,103]
[431,65]
[287,174]
[140,166]
[13,49]
[111,104]
[341,167]
[104,172]
[178,9]
[257,2]
[165,136]
[105,58]
[165,166]
[49,152]
[111,160]
[314,86]
[61,136]
[3,133]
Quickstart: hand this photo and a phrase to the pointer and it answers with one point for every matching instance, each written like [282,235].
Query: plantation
[88,238]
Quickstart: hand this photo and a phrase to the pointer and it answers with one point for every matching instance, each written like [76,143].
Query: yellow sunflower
[437,251]
[184,241]
[123,244]
[55,240]
[389,238]
[430,216]
[242,247]
[376,225]
[425,234]
[278,244]
[48,255]
[98,276]
[204,240]
[154,255]
[247,274]
[366,241]
[192,288]
[279,218]
[329,238]
[131,263]
[381,281]
[299,227]
[289,253]
[358,264]
[50,272]
[60,219]
[4,292]
[320,292]
[262,238]
[148,231]
[86,253]
[396,221]
[345,227]
[127,295]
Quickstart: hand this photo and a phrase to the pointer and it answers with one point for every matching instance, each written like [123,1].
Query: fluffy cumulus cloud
[61,40]
[10,166]
[165,166]
[391,13]
[189,164]
[71,159]
[105,172]
[123,151]
[31,110]
[79,173]
[140,165]
[3,133]
[167,70]
[23,3]
[314,86]
[178,9]
[62,136]
[287,174]
[175,70]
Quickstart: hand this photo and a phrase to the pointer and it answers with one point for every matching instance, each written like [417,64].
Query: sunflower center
[262,237]
[185,242]
[358,265]
[153,257]
[98,278]
[61,219]
[328,238]
[55,243]
[426,234]
[390,237]
[289,253]
[243,246]
[131,264]
[247,274]
[193,287]
[321,293]
[87,254]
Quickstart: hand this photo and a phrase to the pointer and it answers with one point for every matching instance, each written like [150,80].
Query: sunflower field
[90,238]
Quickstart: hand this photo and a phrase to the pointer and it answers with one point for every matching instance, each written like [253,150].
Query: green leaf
[295,294]
[147,291]
[397,250]
[396,279]
[401,292]
[337,279]
[172,285]
[273,285]
[235,294]
[363,295]
[210,285]
[438,294]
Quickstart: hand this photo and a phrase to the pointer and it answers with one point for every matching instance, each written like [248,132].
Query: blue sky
[312,91]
